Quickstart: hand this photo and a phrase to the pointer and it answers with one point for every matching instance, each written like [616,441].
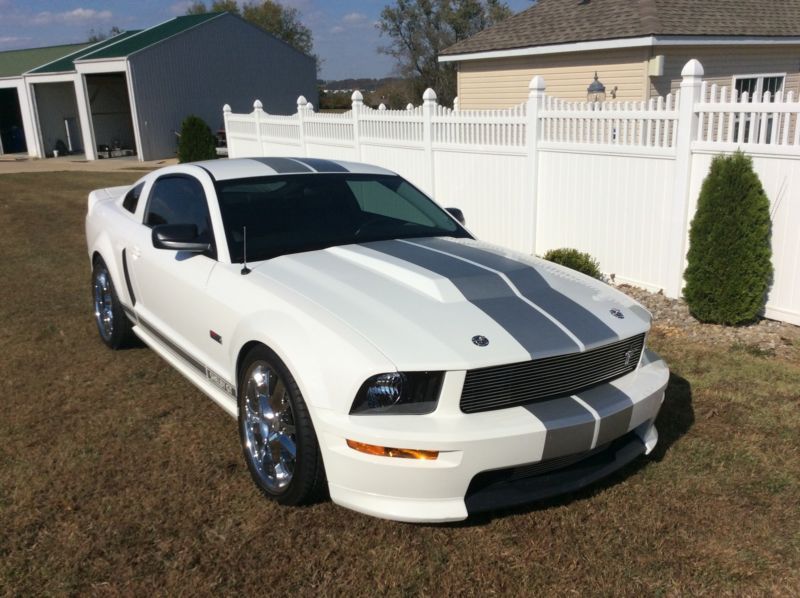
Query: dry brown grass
[118,477]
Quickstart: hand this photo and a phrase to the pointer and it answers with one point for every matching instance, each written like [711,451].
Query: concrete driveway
[20,163]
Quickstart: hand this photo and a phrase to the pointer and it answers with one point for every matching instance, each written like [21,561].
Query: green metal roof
[66,64]
[15,62]
[61,59]
[151,36]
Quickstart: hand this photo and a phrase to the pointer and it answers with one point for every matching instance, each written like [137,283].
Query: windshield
[302,212]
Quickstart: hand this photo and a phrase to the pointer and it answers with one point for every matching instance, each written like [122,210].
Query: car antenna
[245,269]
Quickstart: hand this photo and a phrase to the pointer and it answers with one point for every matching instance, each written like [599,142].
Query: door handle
[136,253]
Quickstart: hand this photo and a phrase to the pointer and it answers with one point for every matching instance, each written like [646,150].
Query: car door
[172,304]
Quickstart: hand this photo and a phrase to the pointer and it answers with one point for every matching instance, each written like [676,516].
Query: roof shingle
[565,21]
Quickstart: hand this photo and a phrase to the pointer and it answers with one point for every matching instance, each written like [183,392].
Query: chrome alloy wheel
[269,427]
[103,304]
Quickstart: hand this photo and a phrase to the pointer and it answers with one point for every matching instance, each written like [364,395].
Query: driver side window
[179,200]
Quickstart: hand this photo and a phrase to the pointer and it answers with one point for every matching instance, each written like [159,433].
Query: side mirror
[457,214]
[180,237]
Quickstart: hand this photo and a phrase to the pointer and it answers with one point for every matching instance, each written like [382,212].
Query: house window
[756,86]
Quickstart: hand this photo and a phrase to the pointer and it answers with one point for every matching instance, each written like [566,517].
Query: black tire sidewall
[121,332]
[308,463]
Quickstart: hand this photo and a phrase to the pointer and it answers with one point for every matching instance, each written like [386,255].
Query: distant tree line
[360,83]
[418,30]
[98,35]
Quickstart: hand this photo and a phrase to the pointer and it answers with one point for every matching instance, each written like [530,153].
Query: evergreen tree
[196,141]
[729,261]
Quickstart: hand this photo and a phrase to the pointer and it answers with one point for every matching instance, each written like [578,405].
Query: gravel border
[765,338]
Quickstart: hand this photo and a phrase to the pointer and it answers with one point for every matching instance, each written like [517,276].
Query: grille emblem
[479,340]
[628,357]
[617,313]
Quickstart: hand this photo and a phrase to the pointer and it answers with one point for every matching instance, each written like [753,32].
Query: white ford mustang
[367,344]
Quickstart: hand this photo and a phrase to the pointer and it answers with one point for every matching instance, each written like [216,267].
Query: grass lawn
[118,477]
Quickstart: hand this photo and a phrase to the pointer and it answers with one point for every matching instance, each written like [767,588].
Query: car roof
[239,168]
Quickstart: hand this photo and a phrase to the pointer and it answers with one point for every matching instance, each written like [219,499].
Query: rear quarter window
[132,198]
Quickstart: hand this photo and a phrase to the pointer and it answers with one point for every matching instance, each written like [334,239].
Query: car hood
[443,303]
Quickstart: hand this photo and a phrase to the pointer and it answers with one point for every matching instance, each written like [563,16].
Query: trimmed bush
[577,260]
[196,141]
[729,260]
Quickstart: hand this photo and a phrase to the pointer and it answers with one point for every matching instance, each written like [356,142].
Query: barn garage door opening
[12,135]
[110,108]
[59,124]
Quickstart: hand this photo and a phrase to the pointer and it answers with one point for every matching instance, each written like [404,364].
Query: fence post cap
[302,101]
[257,105]
[357,96]
[382,106]
[537,83]
[693,68]
[226,108]
[409,106]
[310,107]
[429,95]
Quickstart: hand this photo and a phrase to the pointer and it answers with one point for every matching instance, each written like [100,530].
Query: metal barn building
[127,95]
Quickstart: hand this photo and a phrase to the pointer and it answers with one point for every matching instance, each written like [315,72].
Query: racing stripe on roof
[570,426]
[323,165]
[538,334]
[590,329]
[283,165]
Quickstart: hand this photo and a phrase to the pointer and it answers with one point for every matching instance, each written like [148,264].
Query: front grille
[504,386]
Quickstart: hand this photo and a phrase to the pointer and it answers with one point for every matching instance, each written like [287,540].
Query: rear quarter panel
[108,225]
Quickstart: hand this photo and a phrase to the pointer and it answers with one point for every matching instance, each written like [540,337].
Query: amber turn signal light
[385,451]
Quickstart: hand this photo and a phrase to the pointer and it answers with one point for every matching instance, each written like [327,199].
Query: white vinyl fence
[618,179]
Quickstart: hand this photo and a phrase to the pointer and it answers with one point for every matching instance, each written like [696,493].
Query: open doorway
[111,115]
[12,135]
[59,124]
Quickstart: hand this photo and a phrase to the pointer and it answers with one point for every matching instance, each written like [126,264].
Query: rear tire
[278,440]
[113,324]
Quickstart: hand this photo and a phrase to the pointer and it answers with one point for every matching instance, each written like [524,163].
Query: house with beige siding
[636,47]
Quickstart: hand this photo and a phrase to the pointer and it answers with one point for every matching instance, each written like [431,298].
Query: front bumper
[470,445]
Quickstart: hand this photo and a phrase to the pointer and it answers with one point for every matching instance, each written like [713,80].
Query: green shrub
[577,260]
[196,141]
[729,261]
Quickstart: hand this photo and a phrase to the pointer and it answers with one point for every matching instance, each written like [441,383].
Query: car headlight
[410,393]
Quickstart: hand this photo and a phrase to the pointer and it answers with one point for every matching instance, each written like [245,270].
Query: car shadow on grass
[674,420]
[134,343]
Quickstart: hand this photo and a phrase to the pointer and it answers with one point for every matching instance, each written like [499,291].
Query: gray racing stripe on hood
[570,426]
[487,291]
[615,409]
[590,329]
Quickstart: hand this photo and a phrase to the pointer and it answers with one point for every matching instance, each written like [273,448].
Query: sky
[344,31]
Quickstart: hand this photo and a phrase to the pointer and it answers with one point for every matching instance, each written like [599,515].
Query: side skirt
[227,402]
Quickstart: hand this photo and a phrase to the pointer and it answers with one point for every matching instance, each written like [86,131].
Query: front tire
[112,324]
[278,439]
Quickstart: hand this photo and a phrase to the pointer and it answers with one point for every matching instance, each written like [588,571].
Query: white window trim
[759,77]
